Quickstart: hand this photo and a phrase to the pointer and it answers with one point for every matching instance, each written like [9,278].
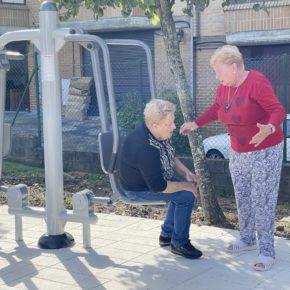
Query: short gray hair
[156,110]
[227,54]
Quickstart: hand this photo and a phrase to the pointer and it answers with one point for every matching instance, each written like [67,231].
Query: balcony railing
[241,17]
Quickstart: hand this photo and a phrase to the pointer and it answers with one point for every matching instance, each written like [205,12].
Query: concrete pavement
[125,255]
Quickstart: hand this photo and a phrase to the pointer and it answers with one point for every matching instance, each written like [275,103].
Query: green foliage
[130,111]
[70,8]
[69,201]
[38,199]
[257,7]
[181,143]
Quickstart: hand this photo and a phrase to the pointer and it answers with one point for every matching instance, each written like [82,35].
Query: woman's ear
[234,68]
[154,127]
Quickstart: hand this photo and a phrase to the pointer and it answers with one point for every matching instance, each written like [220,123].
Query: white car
[218,146]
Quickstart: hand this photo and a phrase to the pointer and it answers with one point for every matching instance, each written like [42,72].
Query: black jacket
[146,163]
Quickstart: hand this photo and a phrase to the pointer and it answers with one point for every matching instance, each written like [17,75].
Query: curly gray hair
[227,54]
[156,110]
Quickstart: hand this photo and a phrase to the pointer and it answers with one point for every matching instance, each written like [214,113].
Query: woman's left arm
[264,132]
[270,103]
[268,100]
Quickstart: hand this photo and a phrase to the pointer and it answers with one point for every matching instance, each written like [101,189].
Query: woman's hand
[192,177]
[187,127]
[264,132]
[192,187]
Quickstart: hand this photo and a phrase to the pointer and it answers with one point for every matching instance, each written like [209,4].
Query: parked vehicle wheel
[214,154]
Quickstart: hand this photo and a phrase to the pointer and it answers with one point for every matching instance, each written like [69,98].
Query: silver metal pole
[98,80]
[87,235]
[32,35]
[52,129]
[2,110]
[18,228]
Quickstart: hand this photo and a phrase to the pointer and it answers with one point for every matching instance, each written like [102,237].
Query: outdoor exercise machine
[48,40]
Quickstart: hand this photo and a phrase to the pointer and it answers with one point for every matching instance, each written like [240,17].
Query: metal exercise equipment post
[48,39]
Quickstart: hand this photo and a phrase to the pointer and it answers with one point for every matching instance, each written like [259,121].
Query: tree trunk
[212,210]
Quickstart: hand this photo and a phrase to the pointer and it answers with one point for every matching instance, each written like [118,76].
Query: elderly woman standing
[147,169]
[246,103]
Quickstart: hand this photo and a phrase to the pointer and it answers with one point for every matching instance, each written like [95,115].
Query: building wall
[32,87]
[13,15]
[212,20]
[163,75]
[33,7]
[206,84]
[108,13]
[70,60]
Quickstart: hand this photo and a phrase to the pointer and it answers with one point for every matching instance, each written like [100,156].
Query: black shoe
[164,242]
[186,250]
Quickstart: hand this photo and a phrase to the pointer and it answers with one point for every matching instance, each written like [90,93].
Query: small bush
[130,111]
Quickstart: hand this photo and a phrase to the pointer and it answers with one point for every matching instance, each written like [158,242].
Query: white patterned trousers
[256,177]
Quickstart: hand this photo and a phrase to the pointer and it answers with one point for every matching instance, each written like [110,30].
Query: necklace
[228,104]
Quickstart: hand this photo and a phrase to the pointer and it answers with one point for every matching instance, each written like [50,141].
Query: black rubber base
[56,241]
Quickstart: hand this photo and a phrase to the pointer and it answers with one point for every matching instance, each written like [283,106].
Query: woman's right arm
[207,117]
[187,127]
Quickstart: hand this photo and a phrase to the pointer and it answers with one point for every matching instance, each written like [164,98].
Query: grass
[90,177]
[284,204]
[17,170]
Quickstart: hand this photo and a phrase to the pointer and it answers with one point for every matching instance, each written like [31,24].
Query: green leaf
[155,19]
[257,7]
[225,3]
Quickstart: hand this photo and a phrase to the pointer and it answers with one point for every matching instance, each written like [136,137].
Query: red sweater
[253,102]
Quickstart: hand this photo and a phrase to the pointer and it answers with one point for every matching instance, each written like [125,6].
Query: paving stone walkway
[125,255]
